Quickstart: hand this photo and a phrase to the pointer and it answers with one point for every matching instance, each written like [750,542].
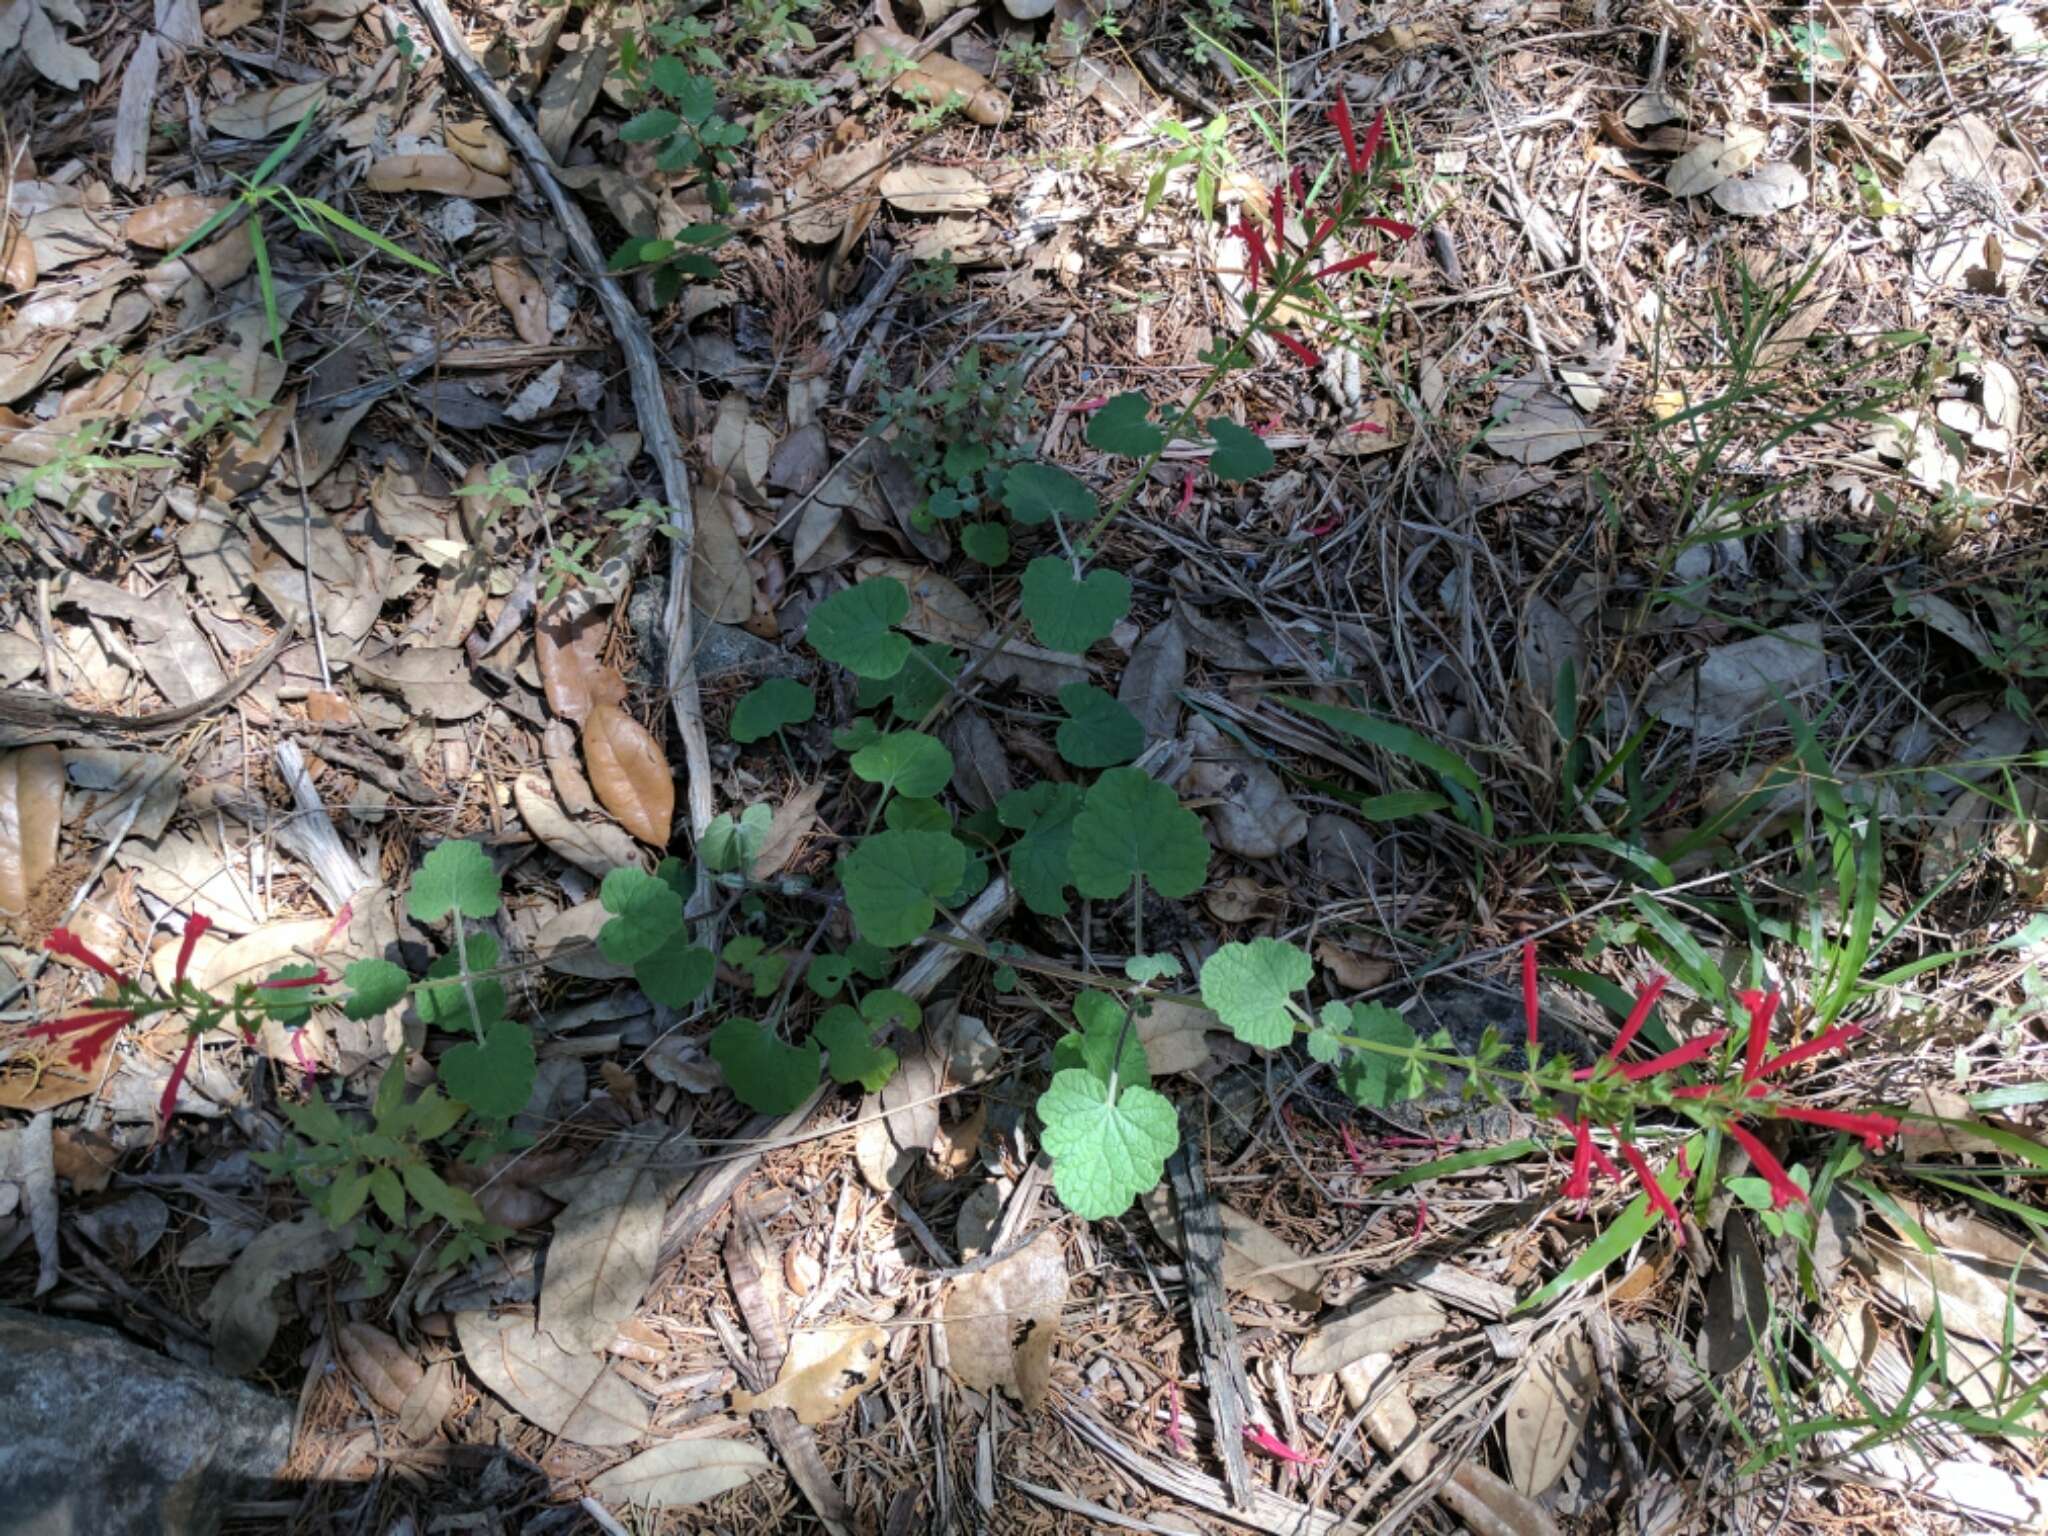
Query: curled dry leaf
[1970,1301]
[31,815]
[629,774]
[261,113]
[933,80]
[1254,1260]
[394,1380]
[1547,1411]
[523,297]
[18,269]
[1533,423]
[444,174]
[1772,189]
[566,651]
[721,585]
[571,1395]
[595,847]
[477,142]
[825,1370]
[1002,1322]
[680,1473]
[1381,1326]
[1175,1036]
[169,220]
[939,610]
[242,1306]
[1712,161]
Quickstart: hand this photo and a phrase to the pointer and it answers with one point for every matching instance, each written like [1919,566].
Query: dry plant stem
[650,402]
[1222,1363]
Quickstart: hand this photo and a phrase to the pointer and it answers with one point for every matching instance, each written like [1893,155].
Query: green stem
[476,1021]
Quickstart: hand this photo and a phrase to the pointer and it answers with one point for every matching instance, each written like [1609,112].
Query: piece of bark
[1201,1246]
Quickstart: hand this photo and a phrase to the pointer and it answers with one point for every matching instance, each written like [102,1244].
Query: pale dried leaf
[523,297]
[934,189]
[939,610]
[1970,1301]
[787,829]
[1738,1299]
[571,1395]
[1175,1036]
[270,110]
[721,585]
[566,942]
[242,1306]
[629,774]
[477,142]
[601,1258]
[680,1473]
[1255,1261]
[1533,423]
[55,57]
[1386,1323]
[593,847]
[1772,189]
[1733,683]
[820,197]
[444,174]
[380,1364]
[1002,1322]
[824,1373]
[1547,1412]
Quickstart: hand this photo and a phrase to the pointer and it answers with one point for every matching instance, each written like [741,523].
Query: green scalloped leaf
[1105,1151]
[906,763]
[1099,732]
[856,628]
[1040,861]
[453,877]
[773,705]
[1123,426]
[1069,615]
[1130,825]
[894,880]
[767,1075]
[647,914]
[1250,988]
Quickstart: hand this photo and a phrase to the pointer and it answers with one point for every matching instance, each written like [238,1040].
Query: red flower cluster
[1758,1069]
[1261,259]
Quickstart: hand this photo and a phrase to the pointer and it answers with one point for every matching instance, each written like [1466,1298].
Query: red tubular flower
[93,1030]
[1671,1061]
[284,983]
[1354,1153]
[1173,1435]
[1874,1129]
[1392,227]
[1299,184]
[1348,264]
[1255,249]
[1322,232]
[1340,119]
[1579,1185]
[169,1101]
[1638,1015]
[1371,145]
[1783,1190]
[1659,1201]
[1306,355]
[1367,426]
[1187,494]
[1529,993]
[1279,210]
[62,941]
[1277,1448]
[195,925]
[1812,1048]
[1761,1006]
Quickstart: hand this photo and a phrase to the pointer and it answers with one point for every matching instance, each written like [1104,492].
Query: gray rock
[99,1434]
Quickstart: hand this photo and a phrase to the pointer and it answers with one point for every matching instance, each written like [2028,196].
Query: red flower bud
[1875,1129]
[169,1101]
[1659,1201]
[1783,1191]
[1812,1048]
[94,1030]
[1392,227]
[1671,1061]
[1761,1006]
[195,925]
[1306,355]
[62,941]
[1340,119]
[1529,995]
[1638,1015]
[1348,264]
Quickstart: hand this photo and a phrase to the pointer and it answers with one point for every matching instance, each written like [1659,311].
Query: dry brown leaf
[379,1363]
[595,847]
[1970,1301]
[1380,1327]
[1002,1322]
[1175,1036]
[259,114]
[1254,1260]
[787,829]
[939,610]
[477,142]
[566,653]
[18,268]
[523,297]
[1772,189]
[444,174]
[226,19]
[1533,422]
[31,816]
[825,1370]
[629,774]
[574,1396]
[935,189]
[1547,1412]
[721,586]
[1355,972]
[826,191]
[933,80]
[601,1258]
[678,1473]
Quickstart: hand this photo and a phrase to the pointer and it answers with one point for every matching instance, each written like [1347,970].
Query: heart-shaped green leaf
[894,880]
[851,1055]
[729,845]
[1240,454]
[1249,987]
[676,976]
[494,1078]
[906,763]
[765,1074]
[985,543]
[374,986]
[1106,1151]
[1099,732]
[1122,426]
[647,915]
[1131,826]
[453,877]
[1105,1041]
[1034,492]
[766,709]
[1040,867]
[856,627]
[1069,615]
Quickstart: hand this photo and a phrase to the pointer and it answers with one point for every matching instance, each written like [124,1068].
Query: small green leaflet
[1036,492]
[1240,454]
[905,762]
[1250,988]
[1094,1048]
[855,627]
[1145,969]
[886,1008]
[1105,1153]
[729,845]
[676,975]
[1121,426]
[374,986]
[495,1078]
[453,877]
[1133,827]
[437,1198]
[826,974]
[645,128]
[985,543]
[1040,866]
[851,1055]
[893,881]
[779,702]
[1372,1078]
[647,915]
[1099,732]
[917,815]
[1069,615]
[766,1075]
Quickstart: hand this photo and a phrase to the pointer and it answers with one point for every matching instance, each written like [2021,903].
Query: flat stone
[100,1434]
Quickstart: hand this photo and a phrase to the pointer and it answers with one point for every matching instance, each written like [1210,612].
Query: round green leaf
[1100,732]
[453,877]
[374,986]
[1105,1151]
[494,1078]
[766,1075]
[1131,826]
[906,763]
[1240,453]
[1035,492]
[855,627]
[1070,615]
[729,845]
[647,915]
[1248,987]
[886,1008]
[676,975]
[1121,426]
[1095,1047]
[985,543]
[1040,866]
[1373,1078]
[446,1006]
[894,880]
[779,702]
[851,1055]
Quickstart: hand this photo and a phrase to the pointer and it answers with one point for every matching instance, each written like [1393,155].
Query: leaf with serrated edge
[571,1395]
[1104,1154]
[647,915]
[894,879]
[454,876]
[855,627]
[1248,987]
